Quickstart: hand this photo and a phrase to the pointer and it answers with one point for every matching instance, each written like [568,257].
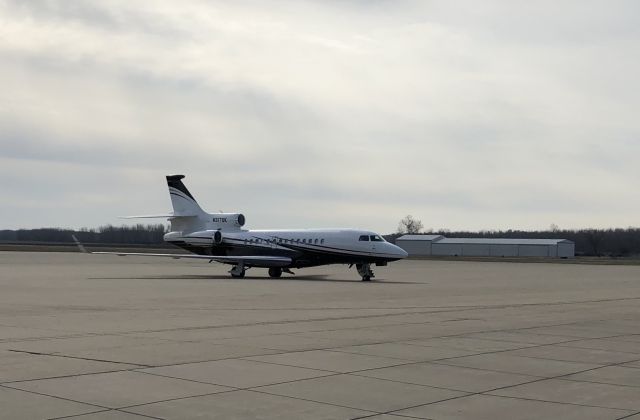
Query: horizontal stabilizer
[157,216]
[146,216]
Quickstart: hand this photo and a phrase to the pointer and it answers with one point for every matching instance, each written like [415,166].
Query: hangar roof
[420,238]
[501,241]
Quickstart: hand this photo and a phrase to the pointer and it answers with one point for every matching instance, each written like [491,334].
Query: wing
[250,260]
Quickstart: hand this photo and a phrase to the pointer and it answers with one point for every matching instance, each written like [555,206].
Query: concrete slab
[281,342]
[575,354]
[615,375]
[405,352]
[16,404]
[501,362]
[521,337]
[452,377]
[329,360]
[486,407]
[573,331]
[582,393]
[16,366]
[608,345]
[237,373]
[83,343]
[247,405]
[470,344]
[168,353]
[361,393]
[119,389]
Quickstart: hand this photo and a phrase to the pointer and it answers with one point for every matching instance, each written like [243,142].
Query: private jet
[220,237]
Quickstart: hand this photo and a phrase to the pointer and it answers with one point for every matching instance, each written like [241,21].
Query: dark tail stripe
[175,181]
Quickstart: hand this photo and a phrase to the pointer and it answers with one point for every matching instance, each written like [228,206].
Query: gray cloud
[513,114]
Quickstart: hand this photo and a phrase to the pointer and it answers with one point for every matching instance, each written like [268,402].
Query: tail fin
[183,202]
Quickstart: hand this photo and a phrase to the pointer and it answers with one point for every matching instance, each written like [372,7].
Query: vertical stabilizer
[181,199]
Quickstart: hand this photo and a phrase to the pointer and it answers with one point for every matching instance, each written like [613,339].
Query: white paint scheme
[220,237]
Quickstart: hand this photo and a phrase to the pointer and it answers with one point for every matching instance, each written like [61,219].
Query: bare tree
[595,238]
[409,225]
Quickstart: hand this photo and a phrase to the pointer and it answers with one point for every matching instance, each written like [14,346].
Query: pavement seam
[35,353]
[104,411]
[77,415]
[53,396]
[248,389]
[629,415]
[599,383]
[559,402]
[66,376]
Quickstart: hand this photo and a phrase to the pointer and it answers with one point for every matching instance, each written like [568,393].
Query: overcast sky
[466,114]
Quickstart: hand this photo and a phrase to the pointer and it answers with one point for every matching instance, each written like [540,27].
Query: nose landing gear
[365,271]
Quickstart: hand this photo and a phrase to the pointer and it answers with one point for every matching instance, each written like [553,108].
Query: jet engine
[217,237]
[226,221]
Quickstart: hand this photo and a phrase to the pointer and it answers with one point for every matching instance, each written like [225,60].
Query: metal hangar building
[438,245]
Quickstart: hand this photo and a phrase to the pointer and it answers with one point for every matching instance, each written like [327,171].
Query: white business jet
[220,237]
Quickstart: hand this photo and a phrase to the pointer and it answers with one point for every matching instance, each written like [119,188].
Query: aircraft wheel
[238,275]
[366,278]
[275,272]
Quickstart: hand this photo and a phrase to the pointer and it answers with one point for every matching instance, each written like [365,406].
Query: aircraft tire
[275,272]
[238,276]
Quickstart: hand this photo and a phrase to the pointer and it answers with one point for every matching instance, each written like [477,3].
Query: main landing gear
[276,272]
[237,271]
[365,271]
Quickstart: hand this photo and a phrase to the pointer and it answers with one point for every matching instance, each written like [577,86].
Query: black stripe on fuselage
[319,250]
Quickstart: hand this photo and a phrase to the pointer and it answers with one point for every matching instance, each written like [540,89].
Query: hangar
[438,245]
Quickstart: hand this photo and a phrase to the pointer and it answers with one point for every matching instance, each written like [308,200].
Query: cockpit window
[376,238]
[364,238]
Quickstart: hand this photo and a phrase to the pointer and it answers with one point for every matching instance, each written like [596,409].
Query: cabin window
[304,241]
[321,241]
[364,238]
[315,241]
[376,238]
[310,241]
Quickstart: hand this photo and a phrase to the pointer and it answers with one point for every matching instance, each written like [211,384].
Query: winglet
[80,246]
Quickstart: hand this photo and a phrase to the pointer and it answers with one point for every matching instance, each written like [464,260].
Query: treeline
[138,234]
[589,242]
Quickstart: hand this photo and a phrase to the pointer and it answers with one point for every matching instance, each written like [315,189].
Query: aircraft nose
[400,252]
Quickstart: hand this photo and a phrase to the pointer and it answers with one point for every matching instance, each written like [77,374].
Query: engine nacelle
[227,220]
[217,237]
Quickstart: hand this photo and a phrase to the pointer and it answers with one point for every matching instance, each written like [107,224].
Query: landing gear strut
[237,271]
[275,272]
[365,271]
